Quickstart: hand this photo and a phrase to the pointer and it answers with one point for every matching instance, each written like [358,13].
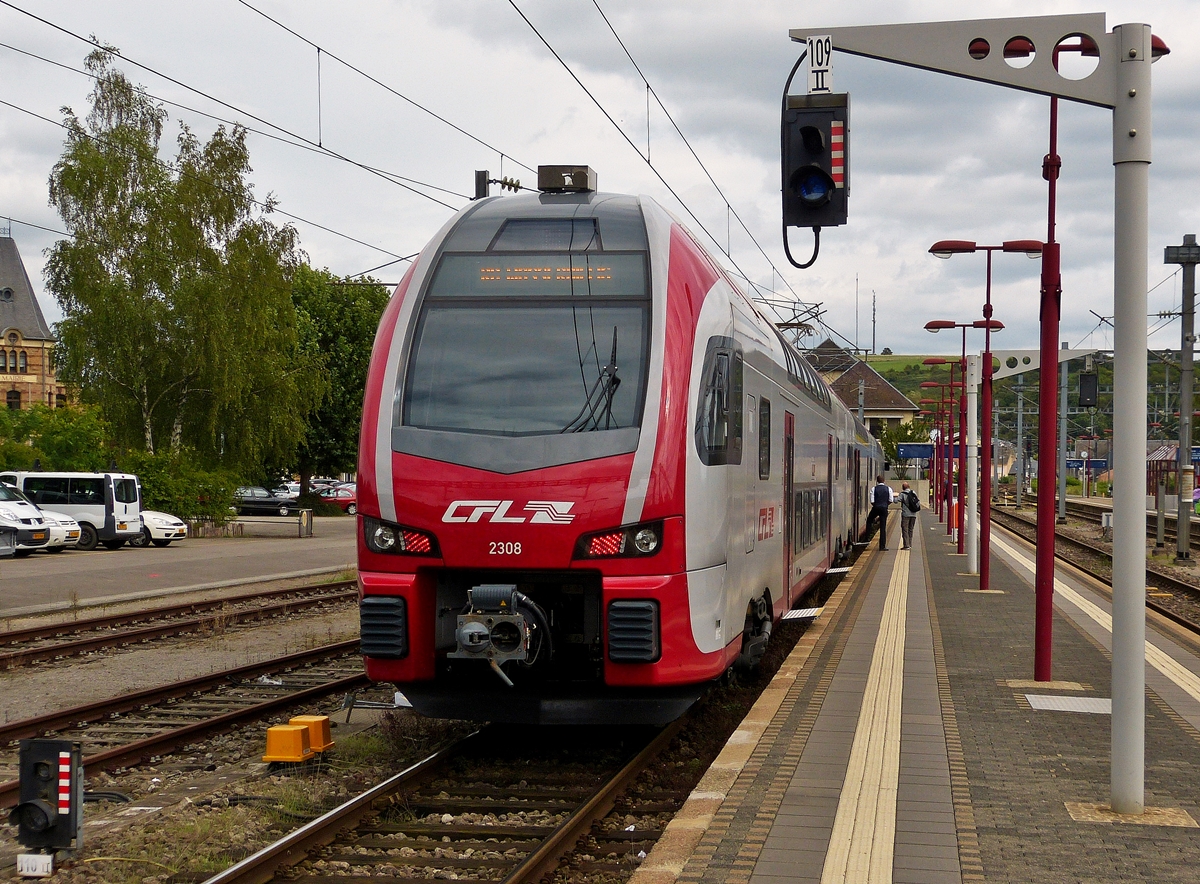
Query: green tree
[913,431]
[338,319]
[175,289]
[73,438]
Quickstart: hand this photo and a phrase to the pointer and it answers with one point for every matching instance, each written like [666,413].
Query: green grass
[897,361]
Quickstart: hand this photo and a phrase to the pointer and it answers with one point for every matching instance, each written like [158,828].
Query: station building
[884,406]
[26,343]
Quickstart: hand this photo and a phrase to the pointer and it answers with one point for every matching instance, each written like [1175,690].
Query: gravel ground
[216,801]
[46,687]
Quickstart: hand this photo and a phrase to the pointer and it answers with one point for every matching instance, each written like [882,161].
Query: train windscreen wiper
[597,406]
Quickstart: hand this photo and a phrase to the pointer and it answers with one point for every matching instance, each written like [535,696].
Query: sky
[931,157]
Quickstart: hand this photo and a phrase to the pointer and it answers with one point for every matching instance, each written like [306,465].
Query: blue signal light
[812,186]
[813,189]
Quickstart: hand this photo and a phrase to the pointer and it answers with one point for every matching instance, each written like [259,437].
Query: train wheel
[755,634]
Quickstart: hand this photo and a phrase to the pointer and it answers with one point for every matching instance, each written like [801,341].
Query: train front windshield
[531,344]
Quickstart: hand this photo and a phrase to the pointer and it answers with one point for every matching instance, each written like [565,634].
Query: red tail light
[610,544]
[633,541]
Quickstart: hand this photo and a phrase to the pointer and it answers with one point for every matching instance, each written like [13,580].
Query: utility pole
[1062,444]
[1187,255]
[872,322]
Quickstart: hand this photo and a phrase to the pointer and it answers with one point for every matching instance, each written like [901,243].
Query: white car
[159,529]
[17,512]
[64,531]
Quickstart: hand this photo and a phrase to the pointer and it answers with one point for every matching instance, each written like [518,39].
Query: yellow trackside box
[319,737]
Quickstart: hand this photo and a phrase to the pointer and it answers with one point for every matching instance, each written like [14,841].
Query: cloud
[931,156]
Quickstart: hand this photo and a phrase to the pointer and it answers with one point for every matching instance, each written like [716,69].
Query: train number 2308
[502,548]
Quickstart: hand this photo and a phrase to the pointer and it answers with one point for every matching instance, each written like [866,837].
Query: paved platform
[903,741]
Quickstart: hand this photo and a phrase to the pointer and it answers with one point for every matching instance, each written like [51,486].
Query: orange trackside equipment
[288,742]
[318,730]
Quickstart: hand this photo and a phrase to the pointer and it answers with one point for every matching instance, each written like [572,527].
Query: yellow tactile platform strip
[862,843]
[718,788]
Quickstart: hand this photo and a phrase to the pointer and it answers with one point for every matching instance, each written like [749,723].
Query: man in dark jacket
[910,505]
[881,499]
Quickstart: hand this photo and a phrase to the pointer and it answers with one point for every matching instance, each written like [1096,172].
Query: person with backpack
[910,505]
[881,499]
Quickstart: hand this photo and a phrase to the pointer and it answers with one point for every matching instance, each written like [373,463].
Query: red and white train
[592,474]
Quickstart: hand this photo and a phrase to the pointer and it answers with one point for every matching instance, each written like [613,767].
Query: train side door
[789,501]
[857,495]
[827,505]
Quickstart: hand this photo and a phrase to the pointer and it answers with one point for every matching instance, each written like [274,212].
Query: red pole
[950,457]
[937,461]
[985,438]
[1047,422]
[962,448]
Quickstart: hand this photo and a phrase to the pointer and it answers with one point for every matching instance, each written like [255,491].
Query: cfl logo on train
[545,512]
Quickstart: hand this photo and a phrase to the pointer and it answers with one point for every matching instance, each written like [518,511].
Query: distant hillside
[907,372]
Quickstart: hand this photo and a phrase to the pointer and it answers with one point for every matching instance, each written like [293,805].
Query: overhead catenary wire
[654,169]
[228,122]
[268,207]
[385,86]
[113,52]
[729,209]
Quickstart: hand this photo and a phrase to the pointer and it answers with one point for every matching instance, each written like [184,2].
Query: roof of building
[878,394]
[19,307]
[831,360]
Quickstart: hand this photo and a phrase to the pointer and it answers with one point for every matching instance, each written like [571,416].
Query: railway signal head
[816,181]
[50,809]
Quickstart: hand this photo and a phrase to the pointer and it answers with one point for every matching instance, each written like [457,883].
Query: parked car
[251,500]
[345,496]
[64,531]
[17,512]
[290,490]
[107,506]
[159,529]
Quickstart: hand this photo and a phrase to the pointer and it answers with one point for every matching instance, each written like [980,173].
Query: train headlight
[645,541]
[384,537]
[629,542]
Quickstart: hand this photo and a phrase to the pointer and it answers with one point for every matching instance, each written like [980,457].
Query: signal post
[1121,82]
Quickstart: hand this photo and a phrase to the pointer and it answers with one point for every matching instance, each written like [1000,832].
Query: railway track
[1175,599]
[125,731]
[52,641]
[1091,513]
[502,805]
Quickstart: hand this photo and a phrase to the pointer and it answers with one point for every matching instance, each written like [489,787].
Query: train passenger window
[719,413]
[764,438]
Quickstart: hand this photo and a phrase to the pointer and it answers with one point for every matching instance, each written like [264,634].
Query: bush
[175,483]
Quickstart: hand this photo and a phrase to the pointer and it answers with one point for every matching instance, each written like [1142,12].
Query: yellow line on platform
[862,844]
[1187,680]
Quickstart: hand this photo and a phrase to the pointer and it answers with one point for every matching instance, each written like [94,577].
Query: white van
[107,506]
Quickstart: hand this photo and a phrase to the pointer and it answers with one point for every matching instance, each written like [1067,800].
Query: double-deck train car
[592,474]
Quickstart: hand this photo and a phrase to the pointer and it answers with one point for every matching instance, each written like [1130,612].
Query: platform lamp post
[947,446]
[946,248]
[935,326]
[945,431]
[933,461]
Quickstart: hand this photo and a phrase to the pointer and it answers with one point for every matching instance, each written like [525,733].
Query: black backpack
[912,503]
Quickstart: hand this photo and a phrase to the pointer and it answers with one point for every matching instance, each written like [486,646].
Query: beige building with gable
[26,342]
